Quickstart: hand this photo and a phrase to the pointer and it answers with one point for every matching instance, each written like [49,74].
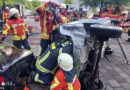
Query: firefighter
[48,16]
[6,14]
[74,16]
[47,65]
[17,27]
[128,35]
[124,19]
[68,13]
[63,10]
[66,77]
[63,13]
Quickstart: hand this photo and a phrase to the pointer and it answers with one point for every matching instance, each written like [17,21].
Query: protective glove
[55,13]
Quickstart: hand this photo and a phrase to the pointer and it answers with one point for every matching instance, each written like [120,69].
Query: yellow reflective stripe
[44,58]
[70,86]
[38,80]
[6,16]
[42,7]
[53,46]
[42,69]
[45,36]
[39,54]
[15,30]
[6,30]
[128,36]
[44,23]
[55,84]
[16,37]
[24,26]
[60,51]
[55,68]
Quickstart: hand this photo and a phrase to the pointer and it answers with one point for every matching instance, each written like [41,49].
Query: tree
[68,1]
[29,5]
[36,3]
[94,3]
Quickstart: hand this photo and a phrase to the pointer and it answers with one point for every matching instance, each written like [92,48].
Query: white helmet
[7,8]
[13,11]
[65,61]
[63,6]
[125,12]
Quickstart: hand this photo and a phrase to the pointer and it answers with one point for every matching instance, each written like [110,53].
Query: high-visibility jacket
[17,28]
[46,22]
[74,17]
[63,17]
[64,13]
[60,82]
[63,20]
[5,15]
[47,63]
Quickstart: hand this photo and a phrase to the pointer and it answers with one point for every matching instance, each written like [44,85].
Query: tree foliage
[94,3]
[28,5]
[68,1]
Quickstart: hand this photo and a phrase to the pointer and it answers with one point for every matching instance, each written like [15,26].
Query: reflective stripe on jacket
[47,63]
[5,15]
[17,28]
[46,22]
[59,82]
[64,18]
